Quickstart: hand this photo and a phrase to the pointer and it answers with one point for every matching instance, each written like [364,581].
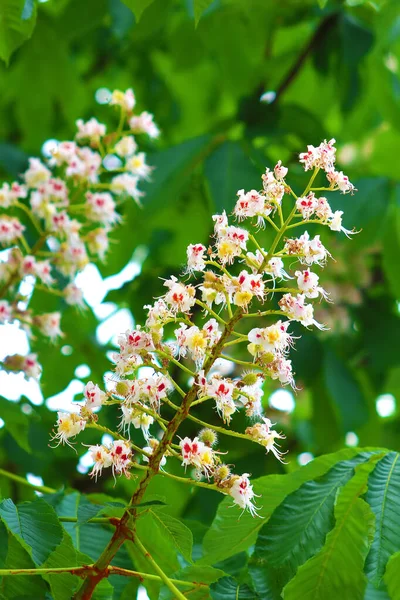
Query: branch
[39,488]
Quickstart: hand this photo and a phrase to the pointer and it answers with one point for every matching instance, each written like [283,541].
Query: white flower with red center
[281,369]
[136,165]
[310,251]
[273,189]
[37,174]
[126,146]
[31,367]
[91,130]
[126,100]
[335,224]
[68,426]
[101,207]
[251,396]
[264,435]
[121,454]
[212,331]
[339,179]
[323,210]
[134,341]
[242,493]
[102,459]
[280,171]
[60,222]
[197,454]
[127,184]
[72,256]
[274,338]
[18,191]
[49,324]
[307,283]
[307,205]
[275,267]
[196,257]
[43,272]
[180,297]
[126,364]
[92,163]
[158,314]
[5,311]
[144,123]
[94,395]
[154,389]
[73,295]
[28,266]
[137,418]
[10,230]
[297,310]
[250,204]
[63,153]
[251,283]
[231,241]
[320,157]
[220,223]
[222,391]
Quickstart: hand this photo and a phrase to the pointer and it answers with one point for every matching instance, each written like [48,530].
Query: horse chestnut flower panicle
[235,278]
[71,201]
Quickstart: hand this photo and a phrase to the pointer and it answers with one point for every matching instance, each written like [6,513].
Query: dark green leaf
[228,588]
[35,524]
[16,26]
[382,496]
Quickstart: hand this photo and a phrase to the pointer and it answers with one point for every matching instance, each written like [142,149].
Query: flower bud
[250,379]
[208,437]
[122,388]
[222,472]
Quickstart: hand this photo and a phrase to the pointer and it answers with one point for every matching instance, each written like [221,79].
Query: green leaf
[200,576]
[337,570]
[14,29]
[227,170]
[228,588]
[298,527]
[63,585]
[137,6]
[392,576]
[345,392]
[383,497]
[17,587]
[16,423]
[35,524]
[180,535]
[199,7]
[229,535]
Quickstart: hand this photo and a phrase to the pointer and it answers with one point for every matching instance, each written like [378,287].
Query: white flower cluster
[71,201]
[235,272]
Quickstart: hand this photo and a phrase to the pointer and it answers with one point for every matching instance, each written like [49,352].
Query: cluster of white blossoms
[67,206]
[193,325]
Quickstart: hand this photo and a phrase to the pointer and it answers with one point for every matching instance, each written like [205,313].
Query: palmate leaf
[36,526]
[392,576]
[298,527]
[383,497]
[24,586]
[201,577]
[229,534]
[137,6]
[337,570]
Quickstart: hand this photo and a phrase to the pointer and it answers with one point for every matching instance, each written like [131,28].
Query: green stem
[210,310]
[170,585]
[39,488]
[80,571]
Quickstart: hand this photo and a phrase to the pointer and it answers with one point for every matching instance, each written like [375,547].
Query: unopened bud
[250,379]
[222,472]
[122,388]
[208,437]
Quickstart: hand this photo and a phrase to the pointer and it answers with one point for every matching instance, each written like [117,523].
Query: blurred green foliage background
[330,70]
